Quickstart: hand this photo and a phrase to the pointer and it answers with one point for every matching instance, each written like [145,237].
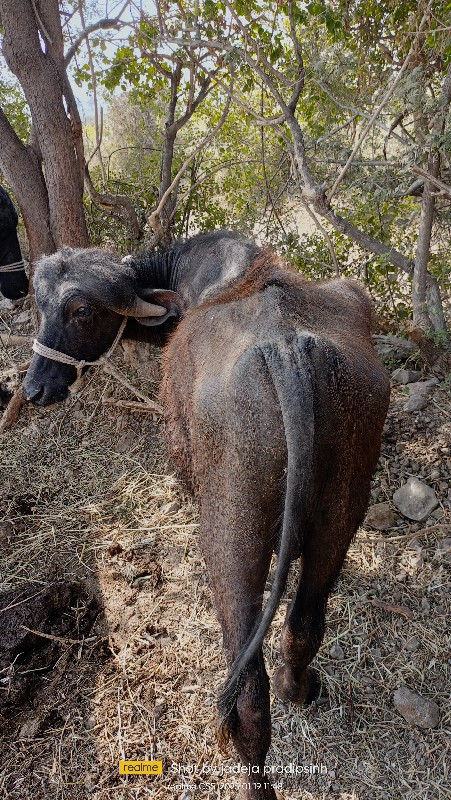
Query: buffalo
[275,402]
[13,279]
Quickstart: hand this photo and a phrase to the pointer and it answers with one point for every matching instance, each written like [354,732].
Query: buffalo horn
[142,309]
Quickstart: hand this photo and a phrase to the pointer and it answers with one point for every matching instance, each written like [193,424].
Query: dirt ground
[109,645]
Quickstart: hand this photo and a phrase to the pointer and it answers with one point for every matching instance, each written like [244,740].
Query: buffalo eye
[83,311]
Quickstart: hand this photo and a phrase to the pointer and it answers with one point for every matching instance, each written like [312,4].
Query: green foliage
[13,103]
[351,49]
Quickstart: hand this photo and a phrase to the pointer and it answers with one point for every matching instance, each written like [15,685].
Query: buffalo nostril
[33,392]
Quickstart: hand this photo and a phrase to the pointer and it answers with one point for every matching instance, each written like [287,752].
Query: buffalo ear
[165,298]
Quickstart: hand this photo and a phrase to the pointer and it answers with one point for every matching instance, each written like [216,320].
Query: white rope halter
[16,266]
[63,358]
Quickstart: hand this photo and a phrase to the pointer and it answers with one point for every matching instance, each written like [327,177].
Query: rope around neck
[63,358]
[16,266]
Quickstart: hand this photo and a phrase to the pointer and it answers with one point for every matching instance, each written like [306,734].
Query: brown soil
[109,645]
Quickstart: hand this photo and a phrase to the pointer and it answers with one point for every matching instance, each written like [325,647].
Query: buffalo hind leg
[238,582]
[303,631]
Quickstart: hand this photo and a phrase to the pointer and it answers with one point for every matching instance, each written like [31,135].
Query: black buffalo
[13,284]
[275,403]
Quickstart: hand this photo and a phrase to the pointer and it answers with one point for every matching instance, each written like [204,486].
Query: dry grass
[87,491]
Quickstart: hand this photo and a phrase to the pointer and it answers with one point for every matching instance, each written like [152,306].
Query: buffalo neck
[159,270]
[10,248]
[197,268]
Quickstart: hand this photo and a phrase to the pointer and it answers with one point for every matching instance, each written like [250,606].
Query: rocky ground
[109,646]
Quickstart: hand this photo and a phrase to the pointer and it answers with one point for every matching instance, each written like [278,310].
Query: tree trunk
[21,168]
[421,318]
[165,181]
[38,69]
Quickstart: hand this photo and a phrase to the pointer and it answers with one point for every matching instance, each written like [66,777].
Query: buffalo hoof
[302,692]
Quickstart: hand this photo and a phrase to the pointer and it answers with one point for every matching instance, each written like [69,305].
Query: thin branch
[445,189]
[258,119]
[204,88]
[207,174]
[357,112]
[381,105]
[158,64]
[322,229]
[101,24]
[265,175]
[368,242]
[261,58]
[115,204]
[299,86]
[40,23]
[154,216]
[392,127]
[98,123]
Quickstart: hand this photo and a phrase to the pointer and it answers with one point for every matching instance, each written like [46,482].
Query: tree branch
[154,216]
[381,105]
[101,24]
[357,112]
[445,189]
[322,229]
[368,242]
[120,205]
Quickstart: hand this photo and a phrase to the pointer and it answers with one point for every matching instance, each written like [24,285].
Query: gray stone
[171,508]
[423,387]
[337,652]
[24,316]
[380,517]
[415,709]
[405,376]
[30,729]
[415,500]
[412,644]
[126,442]
[416,403]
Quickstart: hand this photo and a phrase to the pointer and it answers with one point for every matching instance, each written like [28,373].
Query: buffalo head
[83,296]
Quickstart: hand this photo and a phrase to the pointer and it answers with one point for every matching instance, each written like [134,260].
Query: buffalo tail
[289,365]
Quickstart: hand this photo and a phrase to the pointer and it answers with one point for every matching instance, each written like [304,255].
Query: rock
[405,376]
[6,304]
[23,317]
[435,475]
[128,571]
[415,709]
[380,517]
[423,387]
[412,644]
[126,442]
[416,403]
[337,652]
[425,606]
[6,532]
[30,729]
[415,500]
[171,508]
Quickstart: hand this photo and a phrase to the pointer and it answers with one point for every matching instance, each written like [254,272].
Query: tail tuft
[227,702]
